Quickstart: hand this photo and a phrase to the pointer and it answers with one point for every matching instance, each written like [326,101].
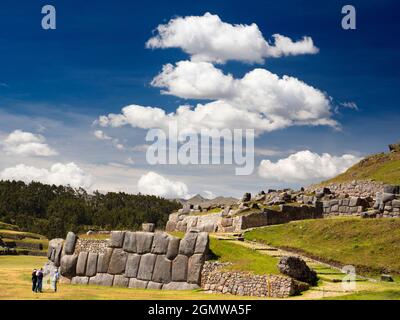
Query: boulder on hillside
[296,268]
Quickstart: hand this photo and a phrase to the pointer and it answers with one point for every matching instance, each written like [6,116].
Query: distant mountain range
[199,200]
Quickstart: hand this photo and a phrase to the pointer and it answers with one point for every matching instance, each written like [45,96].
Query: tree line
[54,210]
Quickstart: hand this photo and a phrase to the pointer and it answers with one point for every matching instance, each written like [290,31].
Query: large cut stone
[148,227]
[173,247]
[102,279]
[69,245]
[53,244]
[81,263]
[162,270]
[295,267]
[226,222]
[57,254]
[118,262]
[80,280]
[132,265]
[387,197]
[180,268]
[354,201]
[116,239]
[195,265]
[120,281]
[396,203]
[91,266]
[146,266]
[104,261]
[137,284]
[188,244]
[154,285]
[160,243]
[68,265]
[130,241]
[180,286]
[201,243]
[144,241]
[171,226]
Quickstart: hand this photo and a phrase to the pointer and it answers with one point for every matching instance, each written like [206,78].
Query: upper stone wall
[361,189]
[133,259]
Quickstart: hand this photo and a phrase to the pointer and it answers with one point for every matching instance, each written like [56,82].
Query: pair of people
[37,280]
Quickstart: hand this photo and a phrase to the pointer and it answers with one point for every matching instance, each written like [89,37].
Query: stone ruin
[147,260]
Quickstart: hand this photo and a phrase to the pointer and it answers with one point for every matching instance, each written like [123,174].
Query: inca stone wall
[221,222]
[133,259]
[387,203]
[214,280]
[346,206]
[361,189]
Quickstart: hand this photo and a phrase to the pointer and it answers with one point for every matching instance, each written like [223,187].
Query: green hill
[381,167]
[371,245]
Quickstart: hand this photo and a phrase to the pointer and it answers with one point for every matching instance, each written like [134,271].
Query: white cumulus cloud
[154,184]
[58,174]
[208,38]
[25,143]
[306,166]
[260,100]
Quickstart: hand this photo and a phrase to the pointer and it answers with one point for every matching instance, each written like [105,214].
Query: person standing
[34,280]
[54,280]
[39,275]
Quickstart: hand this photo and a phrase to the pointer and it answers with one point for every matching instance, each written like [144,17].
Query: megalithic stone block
[180,268]
[154,285]
[104,260]
[81,263]
[120,281]
[68,265]
[116,239]
[188,244]
[162,270]
[69,245]
[91,266]
[132,265]
[146,266]
[202,243]
[144,241]
[80,280]
[180,286]
[195,265]
[118,262]
[102,279]
[173,248]
[130,242]
[137,284]
[160,243]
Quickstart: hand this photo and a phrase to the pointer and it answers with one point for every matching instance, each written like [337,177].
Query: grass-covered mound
[371,245]
[382,167]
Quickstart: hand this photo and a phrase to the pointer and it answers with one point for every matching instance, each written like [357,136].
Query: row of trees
[54,210]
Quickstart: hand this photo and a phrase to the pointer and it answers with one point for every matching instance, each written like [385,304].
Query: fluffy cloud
[260,100]
[306,166]
[27,144]
[207,38]
[58,174]
[155,184]
[99,134]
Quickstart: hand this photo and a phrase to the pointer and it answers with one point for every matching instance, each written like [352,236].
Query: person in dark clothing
[39,275]
[34,280]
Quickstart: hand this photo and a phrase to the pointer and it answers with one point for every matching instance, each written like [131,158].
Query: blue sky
[95,63]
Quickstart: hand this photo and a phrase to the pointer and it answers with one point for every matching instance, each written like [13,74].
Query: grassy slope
[383,167]
[242,259]
[370,245]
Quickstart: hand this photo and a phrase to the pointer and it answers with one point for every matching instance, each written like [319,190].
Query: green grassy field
[372,245]
[15,283]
